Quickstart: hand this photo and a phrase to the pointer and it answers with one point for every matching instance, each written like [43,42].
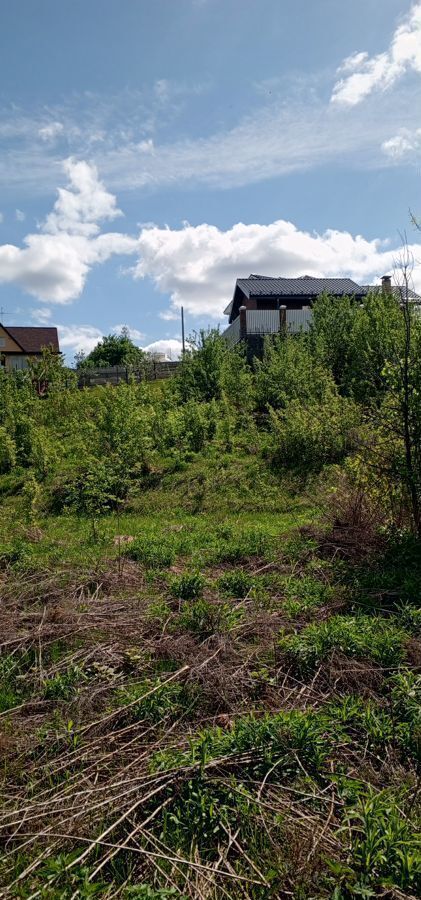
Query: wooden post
[243,322]
[183,340]
[283,319]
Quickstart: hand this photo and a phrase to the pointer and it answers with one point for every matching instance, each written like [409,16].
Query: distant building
[19,345]
[158,356]
[264,305]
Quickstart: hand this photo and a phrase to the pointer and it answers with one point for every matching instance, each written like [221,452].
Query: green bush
[154,553]
[290,372]
[7,451]
[361,636]
[385,847]
[187,586]
[205,619]
[236,584]
[305,437]
[239,545]
[64,685]
[168,701]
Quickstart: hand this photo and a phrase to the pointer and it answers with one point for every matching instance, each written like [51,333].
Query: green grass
[377,639]
[220,583]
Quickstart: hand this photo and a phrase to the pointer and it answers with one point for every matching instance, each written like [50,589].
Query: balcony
[267,321]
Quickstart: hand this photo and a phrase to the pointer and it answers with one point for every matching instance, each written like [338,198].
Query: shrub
[289,372]
[205,619]
[384,848]
[167,702]
[236,584]
[240,545]
[154,553]
[187,586]
[7,451]
[64,685]
[360,636]
[307,436]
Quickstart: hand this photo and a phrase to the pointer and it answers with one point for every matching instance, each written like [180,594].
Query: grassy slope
[218,708]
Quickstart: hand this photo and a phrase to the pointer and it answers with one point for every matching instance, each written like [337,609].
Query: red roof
[33,340]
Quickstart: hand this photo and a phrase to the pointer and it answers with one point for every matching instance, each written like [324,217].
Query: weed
[147,892]
[10,693]
[245,544]
[306,593]
[167,701]
[204,619]
[236,584]
[360,636]
[385,848]
[153,553]
[64,685]
[187,586]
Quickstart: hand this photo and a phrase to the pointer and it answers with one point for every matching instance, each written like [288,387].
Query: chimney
[387,284]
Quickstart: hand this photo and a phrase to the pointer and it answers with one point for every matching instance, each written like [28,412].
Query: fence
[268,321]
[262,321]
[155,371]
[299,319]
[232,333]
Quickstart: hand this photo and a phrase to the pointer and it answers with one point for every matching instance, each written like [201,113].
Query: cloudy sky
[153,152]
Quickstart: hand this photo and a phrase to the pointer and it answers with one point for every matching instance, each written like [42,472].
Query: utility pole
[182,331]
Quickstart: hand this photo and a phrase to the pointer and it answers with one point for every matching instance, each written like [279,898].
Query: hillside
[210,641]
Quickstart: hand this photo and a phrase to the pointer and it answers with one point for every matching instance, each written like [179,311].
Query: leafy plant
[205,618]
[187,586]
[236,584]
[359,636]
[153,553]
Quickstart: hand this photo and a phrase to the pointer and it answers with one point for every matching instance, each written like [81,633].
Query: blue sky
[152,152]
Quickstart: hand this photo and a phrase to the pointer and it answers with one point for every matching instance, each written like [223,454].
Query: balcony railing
[232,333]
[268,321]
[299,320]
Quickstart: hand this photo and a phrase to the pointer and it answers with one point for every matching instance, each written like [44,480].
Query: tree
[395,448]
[200,373]
[113,350]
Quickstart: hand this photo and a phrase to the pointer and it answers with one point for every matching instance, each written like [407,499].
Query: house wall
[7,344]
[14,361]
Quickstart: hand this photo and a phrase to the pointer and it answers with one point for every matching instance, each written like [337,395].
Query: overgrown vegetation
[210,620]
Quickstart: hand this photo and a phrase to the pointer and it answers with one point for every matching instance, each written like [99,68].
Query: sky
[153,151]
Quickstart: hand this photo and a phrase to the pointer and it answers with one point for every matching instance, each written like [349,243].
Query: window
[2,342]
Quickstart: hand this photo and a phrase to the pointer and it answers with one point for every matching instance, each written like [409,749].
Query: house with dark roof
[19,345]
[265,305]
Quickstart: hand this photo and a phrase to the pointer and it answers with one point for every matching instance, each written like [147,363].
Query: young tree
[113,350]
[199,377]
[395,449]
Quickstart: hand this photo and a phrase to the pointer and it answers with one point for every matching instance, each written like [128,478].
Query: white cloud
[79,337]
[171,347]
[404,144]
[81,205]
[169,315]
[20,216]
[364,73]
[197,266]
[42,315]
[54,265]
[51,131]
[134,333]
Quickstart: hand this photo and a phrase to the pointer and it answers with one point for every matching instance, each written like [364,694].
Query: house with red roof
[19,345]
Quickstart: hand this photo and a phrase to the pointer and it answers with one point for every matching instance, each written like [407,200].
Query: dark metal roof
[33,340]
[396,289]
[307,286]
